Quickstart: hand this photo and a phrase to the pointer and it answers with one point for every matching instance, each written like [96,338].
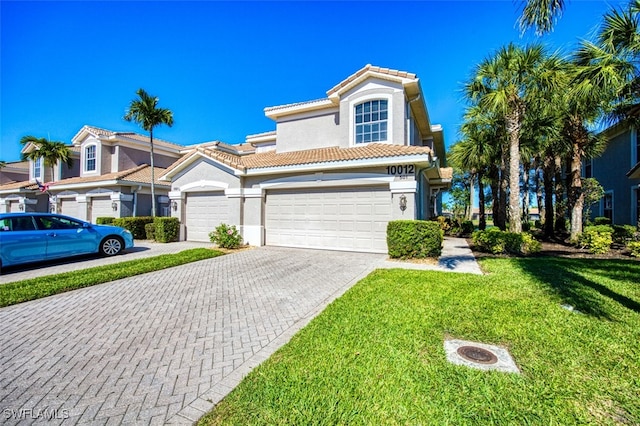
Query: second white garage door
[70,207]
[101,207]
[204,212]
[337,219]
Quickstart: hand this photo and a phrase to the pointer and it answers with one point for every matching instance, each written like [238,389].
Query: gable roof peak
[368,71]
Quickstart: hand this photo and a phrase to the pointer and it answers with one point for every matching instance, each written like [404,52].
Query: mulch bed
[560,248]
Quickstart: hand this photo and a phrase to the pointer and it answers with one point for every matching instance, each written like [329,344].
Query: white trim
[244,192]
[329,179]
[84,158]
[634,147]
[332,165]
[403,186]
[252,234]
[204,185]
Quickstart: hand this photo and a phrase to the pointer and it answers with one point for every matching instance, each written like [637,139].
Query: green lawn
[35,288]
[375,356]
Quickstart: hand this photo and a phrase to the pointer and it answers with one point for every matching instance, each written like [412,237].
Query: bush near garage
[135,225]
[495,241]
[226,236]
[108,220]
[408,239]
[622,234]
[150,231]
[166,229]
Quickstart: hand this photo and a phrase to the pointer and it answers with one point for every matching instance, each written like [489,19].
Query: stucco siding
[307,131]
[205,170]
[129,158]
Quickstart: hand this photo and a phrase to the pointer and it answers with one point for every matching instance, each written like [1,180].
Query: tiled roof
[271,159]
[18,185]
[131,135]
[332,154]
[369,67]
[139,174]
[446,172]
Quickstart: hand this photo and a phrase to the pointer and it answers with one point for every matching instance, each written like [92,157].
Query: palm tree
[51,152]
[540,14]
[506,84]
[145,112]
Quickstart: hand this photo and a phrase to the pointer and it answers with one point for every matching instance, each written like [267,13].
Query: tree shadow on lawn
[566,277]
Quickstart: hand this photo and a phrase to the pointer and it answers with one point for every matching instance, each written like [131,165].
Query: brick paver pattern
[162,347]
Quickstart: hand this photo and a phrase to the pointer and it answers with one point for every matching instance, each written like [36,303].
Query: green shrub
[634,248]
[597,238]
[414,239]
[167,229]
[601,221]
[226,236]
[150,231]
[135,225]
[467,227]
[623,233]
[495,241]
[105,220]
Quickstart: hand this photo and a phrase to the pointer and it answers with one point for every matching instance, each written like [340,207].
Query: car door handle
[53,234]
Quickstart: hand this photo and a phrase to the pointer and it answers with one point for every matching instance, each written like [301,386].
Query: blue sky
[217,65]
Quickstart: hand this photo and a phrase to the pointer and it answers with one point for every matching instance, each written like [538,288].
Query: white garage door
[339,219]
[101,207]
[69,207]
[204,212]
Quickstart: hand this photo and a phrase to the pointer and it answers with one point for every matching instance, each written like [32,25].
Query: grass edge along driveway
[36,288]
[375,355]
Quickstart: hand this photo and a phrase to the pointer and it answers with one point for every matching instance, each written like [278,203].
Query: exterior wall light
[403,202]
[174,205]
[114,206]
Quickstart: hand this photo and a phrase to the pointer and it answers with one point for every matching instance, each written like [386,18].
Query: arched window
[90,158]
[371,121]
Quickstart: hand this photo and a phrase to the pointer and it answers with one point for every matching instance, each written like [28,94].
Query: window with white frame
[607,206]
[371,121]
[37,168]
[90,158]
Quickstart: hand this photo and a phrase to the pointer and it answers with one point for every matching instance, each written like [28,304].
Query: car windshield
[52,222]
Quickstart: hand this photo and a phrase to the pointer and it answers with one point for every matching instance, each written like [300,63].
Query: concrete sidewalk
[456,257]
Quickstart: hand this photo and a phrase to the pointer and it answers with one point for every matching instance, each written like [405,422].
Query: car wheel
[111,246]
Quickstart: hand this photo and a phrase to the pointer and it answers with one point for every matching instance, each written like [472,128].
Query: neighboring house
[332,175]
[618,171]
[110,177]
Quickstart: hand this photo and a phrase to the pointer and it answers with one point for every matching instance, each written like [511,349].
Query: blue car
[34,237]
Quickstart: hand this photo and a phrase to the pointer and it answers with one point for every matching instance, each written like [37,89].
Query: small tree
[593,192]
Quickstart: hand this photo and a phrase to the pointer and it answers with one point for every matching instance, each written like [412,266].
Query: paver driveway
[162,347]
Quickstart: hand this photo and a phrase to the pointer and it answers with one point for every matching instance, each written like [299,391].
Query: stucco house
[618,171]
[110,177]
[332,175]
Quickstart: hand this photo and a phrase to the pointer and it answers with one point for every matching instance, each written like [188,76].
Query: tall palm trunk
[513,130]
[561,202]
[548,174]
[153,176]
[472,190]
[482,218]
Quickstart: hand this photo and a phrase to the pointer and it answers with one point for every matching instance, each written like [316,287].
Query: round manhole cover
[476,354]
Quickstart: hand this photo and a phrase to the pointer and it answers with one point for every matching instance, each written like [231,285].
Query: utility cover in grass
[480,356]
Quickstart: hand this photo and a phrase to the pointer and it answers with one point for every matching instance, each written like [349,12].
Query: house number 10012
[406,169]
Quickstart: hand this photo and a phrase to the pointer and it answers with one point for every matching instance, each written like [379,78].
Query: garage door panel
[204,211]
[101,207]
[343,219]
